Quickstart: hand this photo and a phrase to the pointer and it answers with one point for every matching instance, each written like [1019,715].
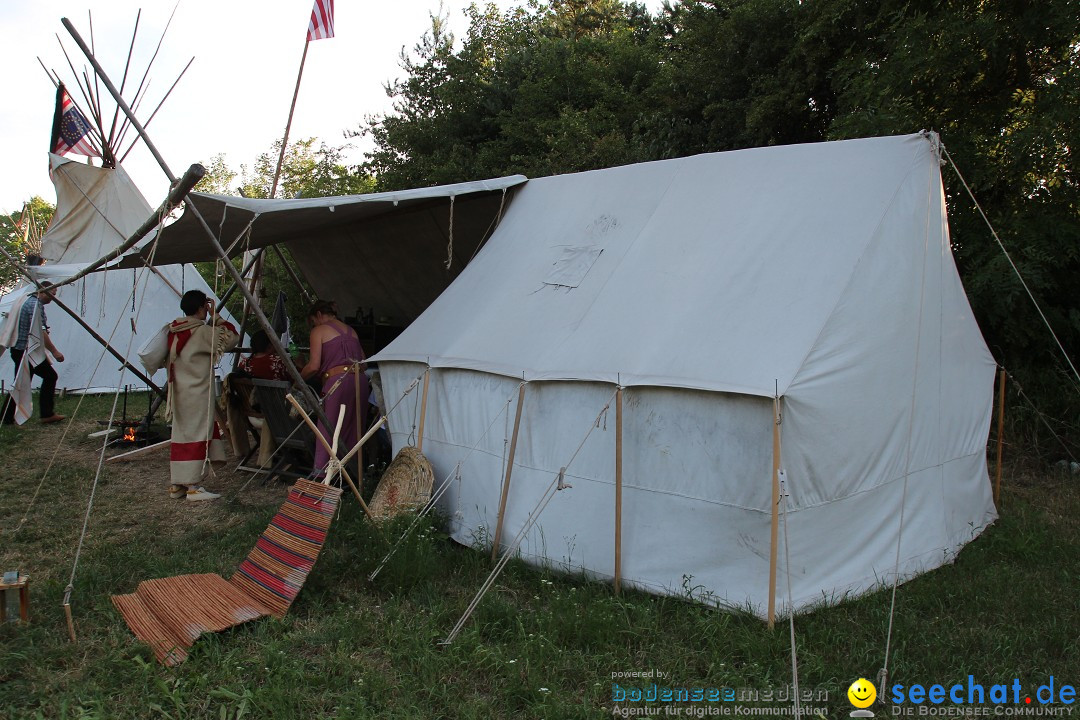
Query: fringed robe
[194,349]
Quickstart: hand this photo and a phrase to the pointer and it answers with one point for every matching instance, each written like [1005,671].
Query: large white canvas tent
[706,286]
[96,210]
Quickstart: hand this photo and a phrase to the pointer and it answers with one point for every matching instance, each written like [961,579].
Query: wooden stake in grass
[67,613]
[775,511]
[509,468]
[618,489]
[423,412]
[1001,436]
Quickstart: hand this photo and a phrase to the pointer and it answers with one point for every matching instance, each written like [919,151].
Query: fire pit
[135,437]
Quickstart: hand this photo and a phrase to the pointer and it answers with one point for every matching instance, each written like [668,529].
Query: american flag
[70,128]
[322,20]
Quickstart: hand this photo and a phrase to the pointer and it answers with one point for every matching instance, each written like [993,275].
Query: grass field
[541,645]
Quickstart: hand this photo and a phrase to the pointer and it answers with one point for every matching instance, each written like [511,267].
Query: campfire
[135,437]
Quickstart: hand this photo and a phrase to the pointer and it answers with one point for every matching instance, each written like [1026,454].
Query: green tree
[1001,83]
[20,235]
[554,87]
[578,84]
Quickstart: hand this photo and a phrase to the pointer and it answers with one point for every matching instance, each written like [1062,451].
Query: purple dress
[341,390]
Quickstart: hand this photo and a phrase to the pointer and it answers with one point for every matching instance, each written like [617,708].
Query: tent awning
[386,251]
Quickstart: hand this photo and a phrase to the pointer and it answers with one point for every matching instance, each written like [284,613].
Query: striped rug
[169,614]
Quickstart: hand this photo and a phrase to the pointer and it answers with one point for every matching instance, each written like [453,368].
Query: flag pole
[256,256]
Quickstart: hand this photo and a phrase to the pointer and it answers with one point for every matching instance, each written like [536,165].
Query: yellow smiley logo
[862,693]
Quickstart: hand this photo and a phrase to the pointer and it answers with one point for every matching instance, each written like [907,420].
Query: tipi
[97,209]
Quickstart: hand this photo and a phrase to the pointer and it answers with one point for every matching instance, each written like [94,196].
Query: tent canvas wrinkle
[574,262]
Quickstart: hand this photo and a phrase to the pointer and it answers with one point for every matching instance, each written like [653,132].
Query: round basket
[406,485]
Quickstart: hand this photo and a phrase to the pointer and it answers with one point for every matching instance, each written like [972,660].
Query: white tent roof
[721,270]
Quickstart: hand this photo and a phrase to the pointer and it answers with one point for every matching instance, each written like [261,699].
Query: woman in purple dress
[335,349]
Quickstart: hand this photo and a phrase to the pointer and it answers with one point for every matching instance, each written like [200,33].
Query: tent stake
[423,412]
[775,511]
[1001,436]
[618,489]
[506,480]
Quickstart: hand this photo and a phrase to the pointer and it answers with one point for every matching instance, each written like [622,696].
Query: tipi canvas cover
[706,286]
[96,210]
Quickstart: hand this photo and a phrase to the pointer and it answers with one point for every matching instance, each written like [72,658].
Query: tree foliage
[306,171]
[570,85]
[20,234]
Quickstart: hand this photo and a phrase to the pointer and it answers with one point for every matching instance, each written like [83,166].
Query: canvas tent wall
[706,285]
[96,210]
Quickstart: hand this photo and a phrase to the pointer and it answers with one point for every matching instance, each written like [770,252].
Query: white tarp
[705,285]
[96,210]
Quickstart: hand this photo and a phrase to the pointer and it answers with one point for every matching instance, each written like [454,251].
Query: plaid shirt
[26,316]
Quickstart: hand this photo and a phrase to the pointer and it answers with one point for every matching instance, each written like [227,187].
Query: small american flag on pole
[322,20]
[70,128]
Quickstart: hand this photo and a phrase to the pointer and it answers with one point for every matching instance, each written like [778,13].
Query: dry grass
[48,472]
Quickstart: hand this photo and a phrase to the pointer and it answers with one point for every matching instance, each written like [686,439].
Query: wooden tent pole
[509,468]
[775,512]
[256,271]
[260,316]
[423,412]
[618,488]
[139,451]
[1001,436]
[359,426]
[292,273]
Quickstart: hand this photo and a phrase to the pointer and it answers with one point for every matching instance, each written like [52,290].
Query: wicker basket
[406,485]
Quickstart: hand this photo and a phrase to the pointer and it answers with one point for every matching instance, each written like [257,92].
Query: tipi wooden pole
[775,512]
[260,316]
[423,412]
[1001,436]
[506,480]
[618,489]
